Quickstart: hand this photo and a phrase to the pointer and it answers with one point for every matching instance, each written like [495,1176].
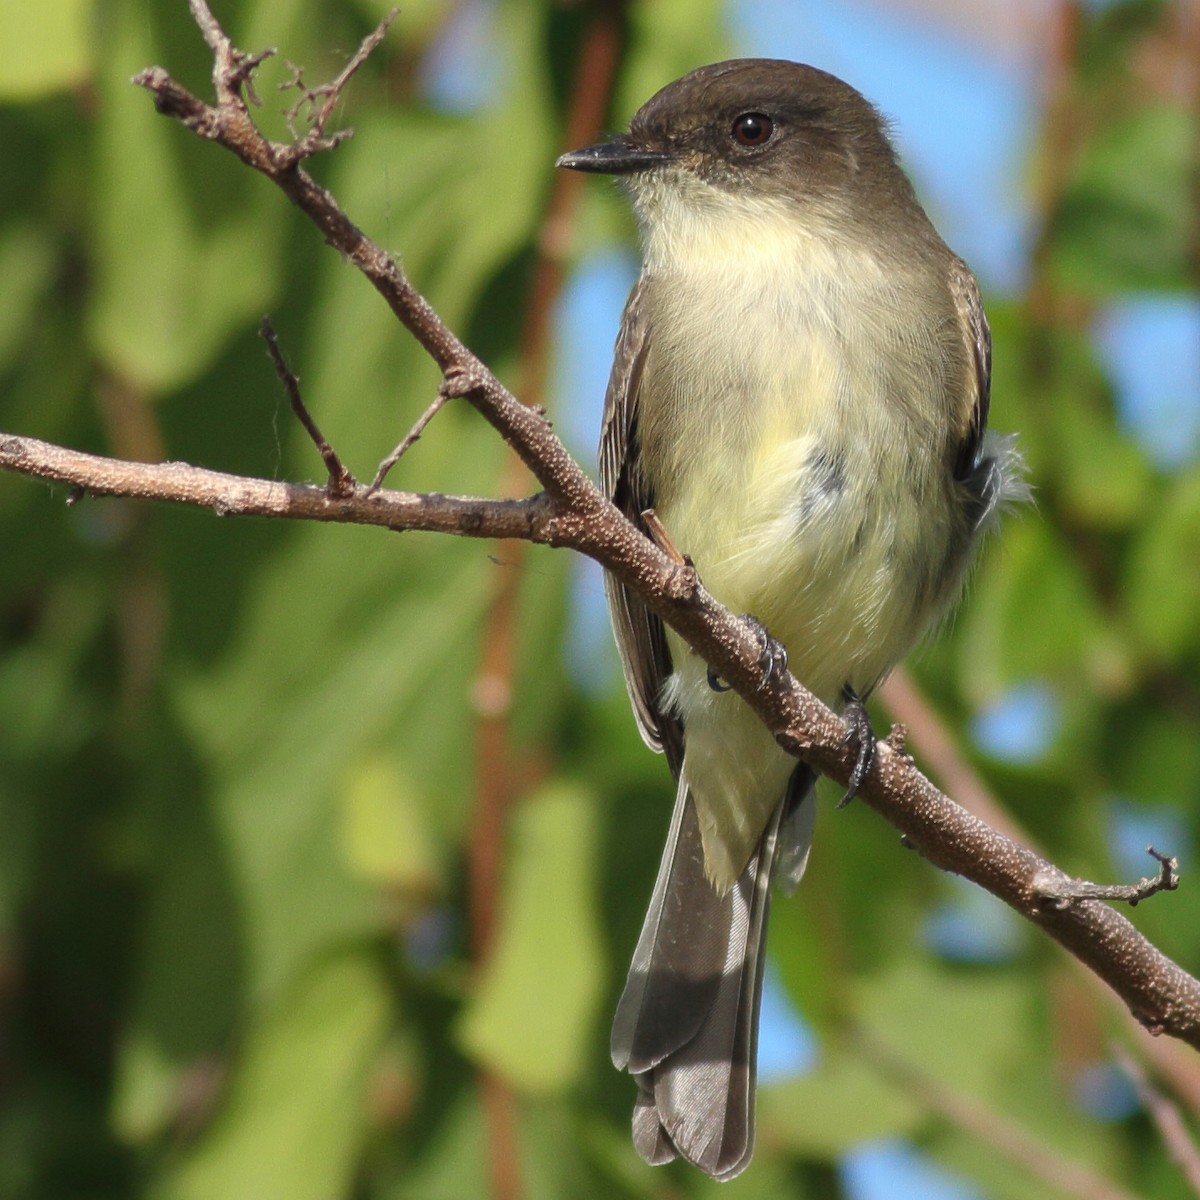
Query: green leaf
[171,287]
[931,1015]
[1162,577]
[1032,615]
[187,992]
[1154,756]
[1124,218]
[1102,476]
[26,265]
[1048,385]
[451,1162]
[827,1110]
[390,652]
[292,1125]
[534,1014]
[385,833]
[47,47]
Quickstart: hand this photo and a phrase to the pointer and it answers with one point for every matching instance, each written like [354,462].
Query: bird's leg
[860,731]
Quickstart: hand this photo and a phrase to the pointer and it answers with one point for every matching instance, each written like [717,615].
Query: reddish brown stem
[498,772]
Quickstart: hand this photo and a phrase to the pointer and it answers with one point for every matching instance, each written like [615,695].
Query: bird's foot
[772,654]
[860,732]
[772,657]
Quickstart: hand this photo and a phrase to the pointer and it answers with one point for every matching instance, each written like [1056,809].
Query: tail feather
[686,1027]
[680,955]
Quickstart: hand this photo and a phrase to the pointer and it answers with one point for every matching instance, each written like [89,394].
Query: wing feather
[979,341]
[640,637]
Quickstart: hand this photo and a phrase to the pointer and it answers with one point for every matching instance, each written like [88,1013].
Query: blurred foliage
[240,764]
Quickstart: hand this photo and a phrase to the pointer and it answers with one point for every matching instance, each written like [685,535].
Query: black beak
[618,157]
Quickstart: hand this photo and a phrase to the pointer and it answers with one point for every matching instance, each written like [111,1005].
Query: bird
[799,398]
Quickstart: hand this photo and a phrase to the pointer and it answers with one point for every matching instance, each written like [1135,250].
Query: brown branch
[573,513]
[905,703]
[1160,994]
[241,496]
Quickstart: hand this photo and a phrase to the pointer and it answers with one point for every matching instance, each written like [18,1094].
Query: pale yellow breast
[771,358]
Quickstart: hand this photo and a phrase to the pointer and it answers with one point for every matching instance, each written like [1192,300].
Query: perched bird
[799,392]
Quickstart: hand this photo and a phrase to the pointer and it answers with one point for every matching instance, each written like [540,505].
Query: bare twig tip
[327,94]
[1062,891]
[341,483]
[661,537]
[412,436]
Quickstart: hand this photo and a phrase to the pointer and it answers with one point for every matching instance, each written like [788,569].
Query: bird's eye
[752,129]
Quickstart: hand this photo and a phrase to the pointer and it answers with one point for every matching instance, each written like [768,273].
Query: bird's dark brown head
[778,127]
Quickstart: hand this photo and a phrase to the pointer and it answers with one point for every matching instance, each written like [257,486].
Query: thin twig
[661,537]
[318,117]
[409,438]
[1166,1117]
[340,483]
[1045,1163]
[1065,891]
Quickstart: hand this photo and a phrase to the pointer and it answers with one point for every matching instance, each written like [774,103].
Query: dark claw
[772,655]
[855,715]
[714,682]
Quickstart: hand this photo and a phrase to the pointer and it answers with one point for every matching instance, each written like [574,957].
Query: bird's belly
[829,542]
[826,535]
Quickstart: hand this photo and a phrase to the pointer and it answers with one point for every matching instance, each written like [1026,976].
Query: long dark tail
[686,1026]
